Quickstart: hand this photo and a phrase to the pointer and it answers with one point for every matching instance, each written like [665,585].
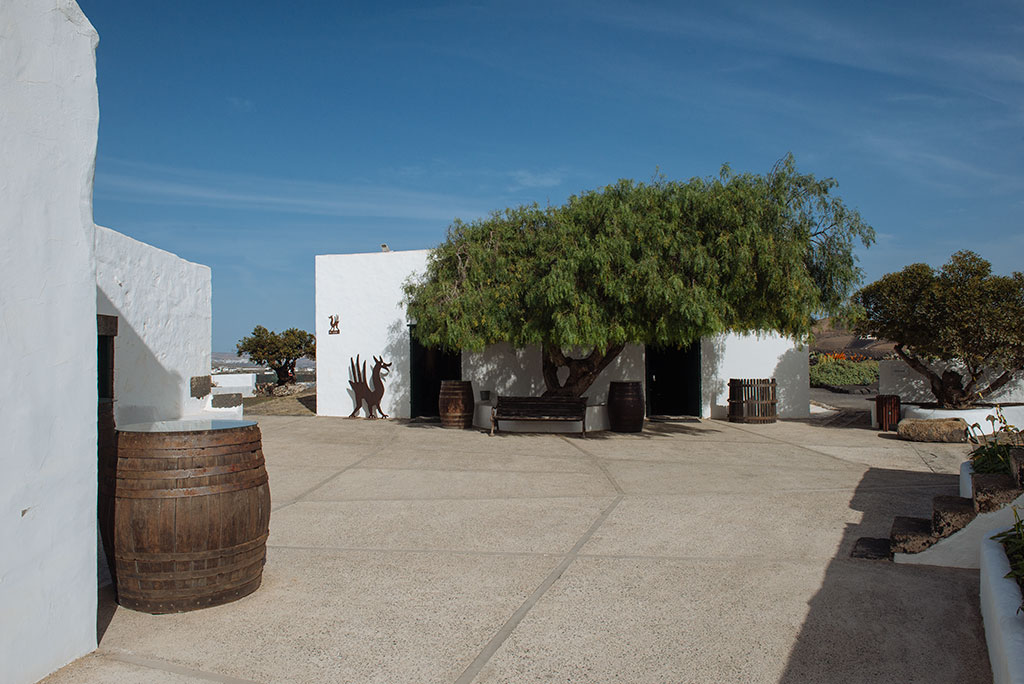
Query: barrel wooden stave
[626,408]
[189,530]
[455,404]
[752,400]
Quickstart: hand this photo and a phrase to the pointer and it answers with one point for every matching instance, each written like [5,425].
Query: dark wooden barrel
[887,411]
[626,406]
[752,401]
[455,404]
[190,515]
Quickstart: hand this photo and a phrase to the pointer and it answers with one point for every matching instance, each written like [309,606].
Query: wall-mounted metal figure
[363,391]
[334,325]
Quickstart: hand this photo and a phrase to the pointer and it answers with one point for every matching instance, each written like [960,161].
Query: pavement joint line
[332,477]
[173,668]
[492,646]
[461,552]
[599,462]
[758,560]
[478,470]
[811,449]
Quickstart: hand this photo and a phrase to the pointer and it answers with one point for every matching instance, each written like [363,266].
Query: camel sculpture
[362,390]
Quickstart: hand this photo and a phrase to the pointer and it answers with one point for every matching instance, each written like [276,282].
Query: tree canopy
[961,313]
[280,351]
[660,263]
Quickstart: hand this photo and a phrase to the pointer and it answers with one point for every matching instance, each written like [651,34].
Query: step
[871,548]
[911,535]
[951,514]
[992,491]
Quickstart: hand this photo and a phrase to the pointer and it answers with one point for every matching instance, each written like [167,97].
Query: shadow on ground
[849,635]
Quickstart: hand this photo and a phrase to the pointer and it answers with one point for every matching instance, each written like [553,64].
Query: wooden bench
[540,408]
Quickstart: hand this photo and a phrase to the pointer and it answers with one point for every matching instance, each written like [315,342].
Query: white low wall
[48,123]
[896,377]
[1014,415]
[505,371]
[229,383]
[1004,626]
[162,304]
[762,355]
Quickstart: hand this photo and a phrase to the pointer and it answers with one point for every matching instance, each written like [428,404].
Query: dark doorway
[428,367]
[673,380]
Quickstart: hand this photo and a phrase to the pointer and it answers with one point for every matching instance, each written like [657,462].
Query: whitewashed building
[362,295]
[89,319]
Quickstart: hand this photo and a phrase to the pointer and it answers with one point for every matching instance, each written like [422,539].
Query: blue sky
[251,136]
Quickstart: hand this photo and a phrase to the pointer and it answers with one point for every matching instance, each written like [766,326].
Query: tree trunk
[948,388]
[283,375]
[582,372]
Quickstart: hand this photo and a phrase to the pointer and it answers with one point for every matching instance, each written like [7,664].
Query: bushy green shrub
[991,458]
[829,371]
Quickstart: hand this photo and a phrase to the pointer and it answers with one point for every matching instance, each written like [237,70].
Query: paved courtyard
[695,552]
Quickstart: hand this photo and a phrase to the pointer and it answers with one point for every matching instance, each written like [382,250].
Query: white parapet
[1004,624]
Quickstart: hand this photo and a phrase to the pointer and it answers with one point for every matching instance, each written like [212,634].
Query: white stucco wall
[365,291]
[48,125]
[162,304]
[896,377]
[227,383]
[764,355]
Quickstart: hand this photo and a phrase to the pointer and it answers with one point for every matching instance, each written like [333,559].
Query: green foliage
[280,351]
[992,455]
[663,263]
[959,313]
[843,372]
[1013,542]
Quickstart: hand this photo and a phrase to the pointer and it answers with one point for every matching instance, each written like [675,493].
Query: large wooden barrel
[887,411]
[455,404]
[626,407]
[190,514]
[752,401]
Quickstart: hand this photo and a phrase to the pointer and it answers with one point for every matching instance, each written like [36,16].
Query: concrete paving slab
[649,620]
[289,483]
[101,668]
[326,616]
[383,483]
[698,552]
[436,459]
[548,526]
[722,525]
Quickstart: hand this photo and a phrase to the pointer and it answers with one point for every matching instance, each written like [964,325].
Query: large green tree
[953,325]
[662,263]
[280,351]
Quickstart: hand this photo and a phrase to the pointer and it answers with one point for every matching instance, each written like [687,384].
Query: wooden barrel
[626,407]
[752,401]
[887,411]
[455,404]
[190,515]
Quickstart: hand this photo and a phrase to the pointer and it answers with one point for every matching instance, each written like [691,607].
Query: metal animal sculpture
[362,390]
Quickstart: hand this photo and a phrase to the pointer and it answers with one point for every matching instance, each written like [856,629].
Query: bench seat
[540,408]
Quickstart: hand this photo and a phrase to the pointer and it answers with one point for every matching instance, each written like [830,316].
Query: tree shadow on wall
[876,621]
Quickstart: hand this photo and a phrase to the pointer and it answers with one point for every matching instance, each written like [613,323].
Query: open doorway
[428,367]
[673,380]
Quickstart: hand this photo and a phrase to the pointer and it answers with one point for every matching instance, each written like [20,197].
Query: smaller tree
[279,351]
[959,314]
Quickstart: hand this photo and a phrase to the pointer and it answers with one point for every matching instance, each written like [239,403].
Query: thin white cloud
[144,183]
[531,179]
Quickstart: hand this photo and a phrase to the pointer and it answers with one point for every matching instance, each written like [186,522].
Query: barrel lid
[186,425]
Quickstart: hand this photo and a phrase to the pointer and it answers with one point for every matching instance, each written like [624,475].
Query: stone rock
[940,430]
[992,491]
[286,390]
[1017,465]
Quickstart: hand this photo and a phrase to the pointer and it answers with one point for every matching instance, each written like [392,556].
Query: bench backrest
[545,406]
